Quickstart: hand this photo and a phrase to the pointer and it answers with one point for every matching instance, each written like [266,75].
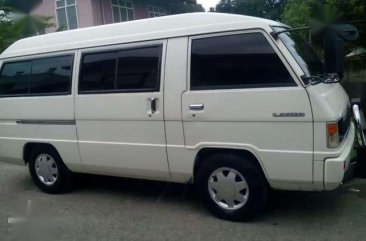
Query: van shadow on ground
[280,204]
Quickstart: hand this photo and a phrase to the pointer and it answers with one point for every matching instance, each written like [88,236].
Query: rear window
[43,76]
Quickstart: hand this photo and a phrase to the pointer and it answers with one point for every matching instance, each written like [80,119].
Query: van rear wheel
[231,187]
[48,171]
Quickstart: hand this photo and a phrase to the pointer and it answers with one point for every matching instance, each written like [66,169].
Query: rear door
[119,110]
[243,94]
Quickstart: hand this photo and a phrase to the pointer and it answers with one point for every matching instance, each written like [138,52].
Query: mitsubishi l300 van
[226,102]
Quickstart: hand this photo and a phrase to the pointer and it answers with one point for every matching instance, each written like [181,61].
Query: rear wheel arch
[45,162]
[208,151]
[30,147]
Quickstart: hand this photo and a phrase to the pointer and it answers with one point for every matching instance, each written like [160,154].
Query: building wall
[107,10]
[93,12]
[48,8]
[85,13]
[140,9]
[97,12]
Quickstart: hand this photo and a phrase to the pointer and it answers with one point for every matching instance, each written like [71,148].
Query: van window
[130,70]
[138,69]
[51,75]
[14,79]
[98,72]
[44,76]
[236,61]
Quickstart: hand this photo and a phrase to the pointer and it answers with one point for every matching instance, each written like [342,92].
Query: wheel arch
[204,152]
[31,146]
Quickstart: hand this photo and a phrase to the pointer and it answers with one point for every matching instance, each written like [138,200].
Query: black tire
[64,178]
[258,187]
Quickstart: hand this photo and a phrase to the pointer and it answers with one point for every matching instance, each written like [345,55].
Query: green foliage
[301,12]
[296,13]
[30,25]
[271,9]
[6,35]
[318,13]
[16,22]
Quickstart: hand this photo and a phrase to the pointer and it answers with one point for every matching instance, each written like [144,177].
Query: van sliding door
[119,111]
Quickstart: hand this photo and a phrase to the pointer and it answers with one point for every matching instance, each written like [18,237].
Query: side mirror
[334,38]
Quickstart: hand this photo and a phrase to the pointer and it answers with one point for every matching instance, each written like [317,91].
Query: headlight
[333,134]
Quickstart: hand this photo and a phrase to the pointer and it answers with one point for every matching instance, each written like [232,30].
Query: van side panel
[37,120]
[181,160]
[283,145]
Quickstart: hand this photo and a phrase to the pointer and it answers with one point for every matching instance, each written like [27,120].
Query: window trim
[67,17]
[285,62]
[121,91]
[126,8]
[69,92]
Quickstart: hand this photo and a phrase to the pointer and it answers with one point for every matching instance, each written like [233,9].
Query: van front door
[119,111]
[243,95]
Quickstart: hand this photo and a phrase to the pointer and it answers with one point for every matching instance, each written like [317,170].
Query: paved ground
[103,208]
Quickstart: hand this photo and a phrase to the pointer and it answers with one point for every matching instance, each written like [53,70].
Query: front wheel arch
[224,205]
[208,151]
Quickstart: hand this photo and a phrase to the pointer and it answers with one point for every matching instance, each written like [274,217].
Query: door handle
[153,101]
[196,106]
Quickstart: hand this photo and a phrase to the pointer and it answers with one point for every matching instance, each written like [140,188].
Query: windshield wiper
[317,79]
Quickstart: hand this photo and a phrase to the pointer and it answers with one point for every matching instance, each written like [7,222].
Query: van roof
[133,31]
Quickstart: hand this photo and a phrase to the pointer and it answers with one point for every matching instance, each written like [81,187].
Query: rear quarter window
[41,76]
[14,78]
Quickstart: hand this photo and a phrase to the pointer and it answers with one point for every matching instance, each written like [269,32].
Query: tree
[16,21]
[271,9]
[6,35]
[212,9]
[299,13]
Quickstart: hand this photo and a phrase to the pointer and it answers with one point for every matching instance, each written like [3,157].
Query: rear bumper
[334,168]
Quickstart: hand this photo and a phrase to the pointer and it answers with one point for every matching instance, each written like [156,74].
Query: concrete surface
[103,208]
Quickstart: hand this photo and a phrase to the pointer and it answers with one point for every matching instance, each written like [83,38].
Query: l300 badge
[289,114]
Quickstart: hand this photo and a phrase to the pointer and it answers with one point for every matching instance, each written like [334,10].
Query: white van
[218,100]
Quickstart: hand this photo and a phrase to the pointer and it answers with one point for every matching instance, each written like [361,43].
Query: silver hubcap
[228,188]
[46,169]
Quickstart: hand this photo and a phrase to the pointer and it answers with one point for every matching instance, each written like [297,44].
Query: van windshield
[303,53]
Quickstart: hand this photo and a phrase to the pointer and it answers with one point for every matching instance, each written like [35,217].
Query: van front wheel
[48,171]
[231,187]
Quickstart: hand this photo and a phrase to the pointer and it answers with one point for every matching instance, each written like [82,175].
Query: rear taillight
[333,135]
